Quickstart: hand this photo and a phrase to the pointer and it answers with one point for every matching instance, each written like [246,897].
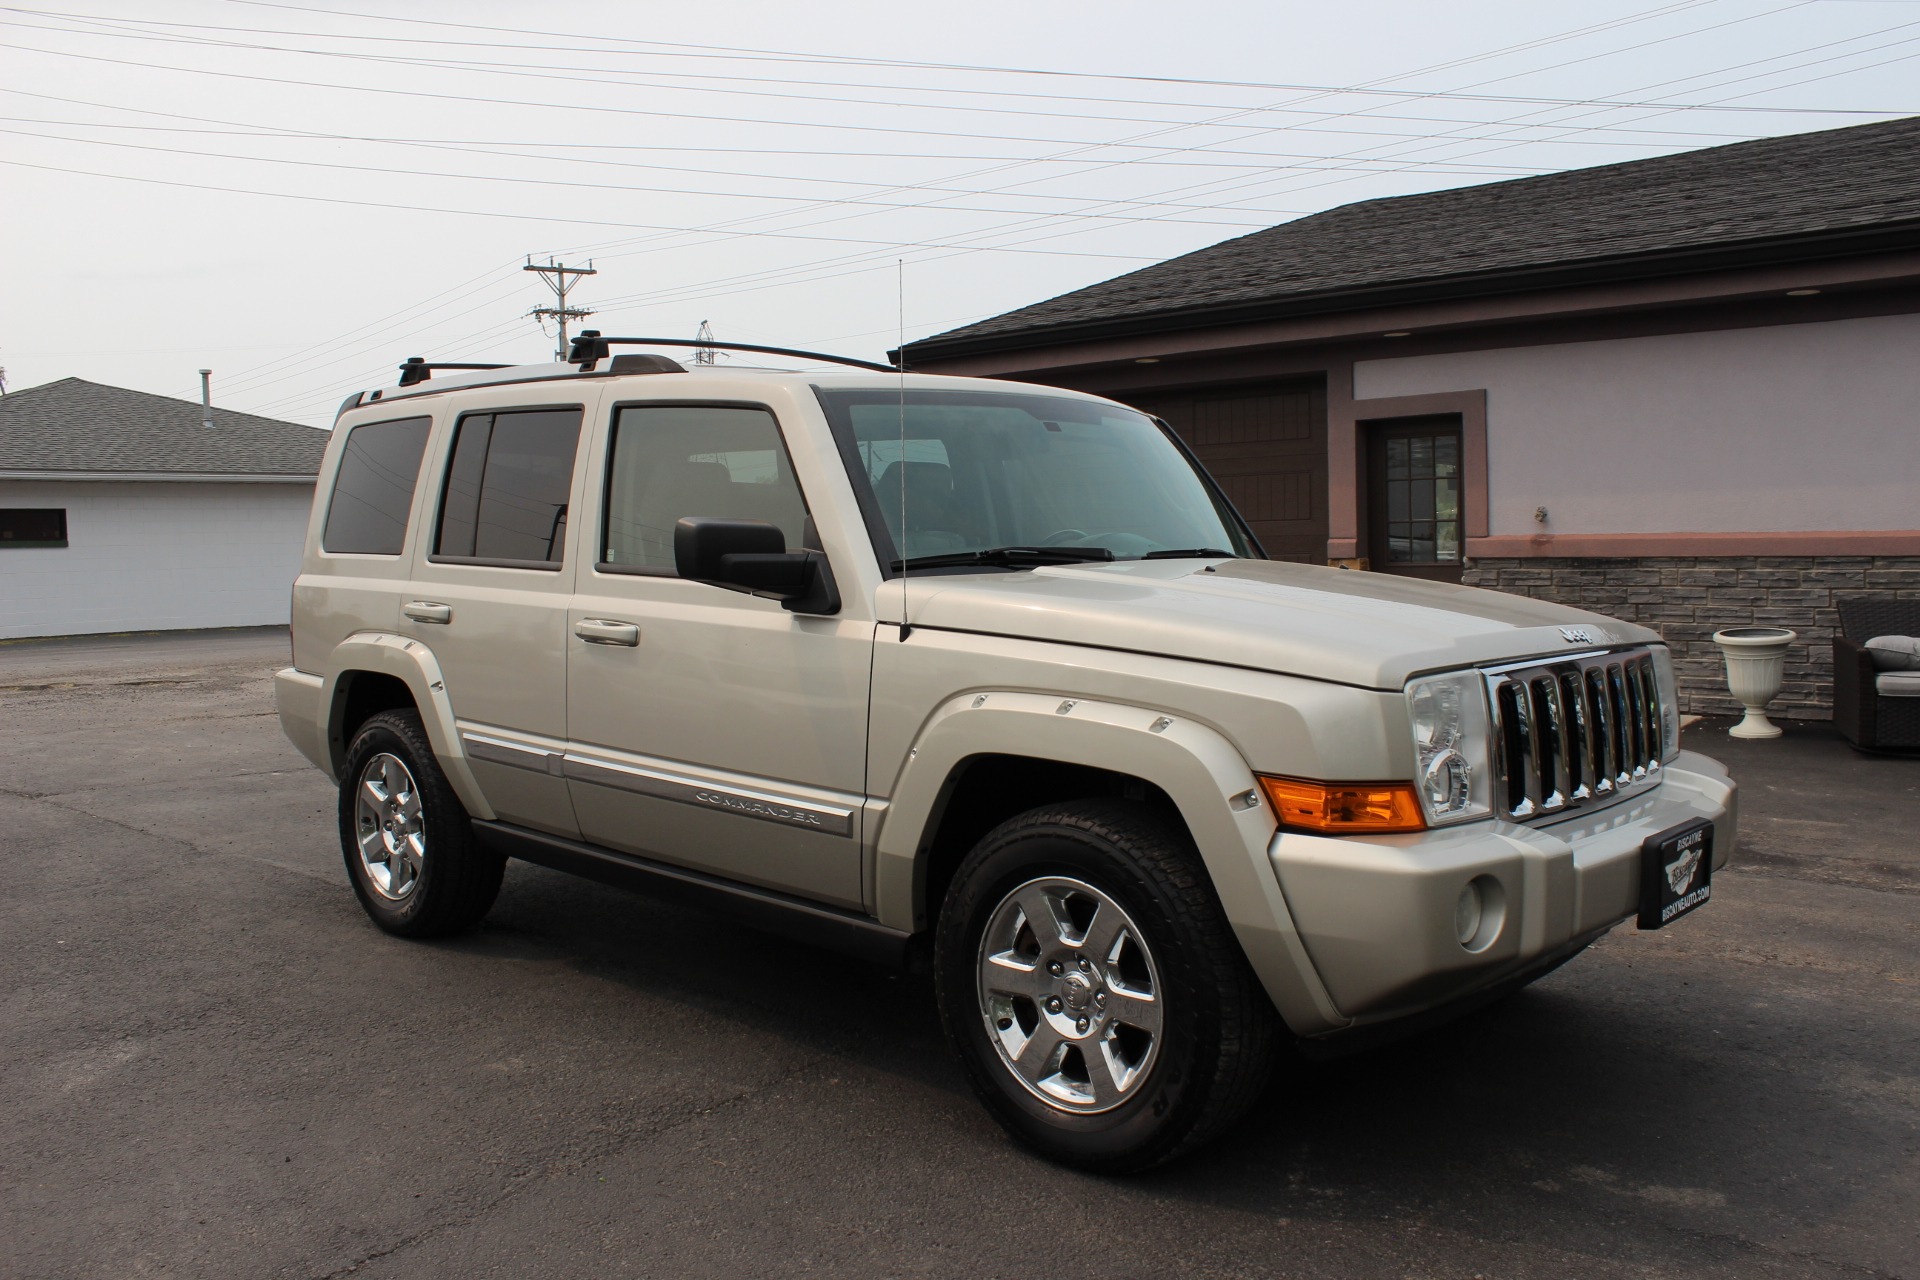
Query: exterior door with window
[711,728]
[1413,498]
[491,582]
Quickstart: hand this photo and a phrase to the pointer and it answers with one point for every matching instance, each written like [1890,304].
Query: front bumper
[1377,916]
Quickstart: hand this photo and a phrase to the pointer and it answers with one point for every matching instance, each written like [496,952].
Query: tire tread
[1243,1027]
[463,877]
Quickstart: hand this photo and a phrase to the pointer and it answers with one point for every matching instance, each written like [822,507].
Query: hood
[1368,629]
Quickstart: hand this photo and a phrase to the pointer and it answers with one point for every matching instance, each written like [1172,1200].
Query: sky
[301,195]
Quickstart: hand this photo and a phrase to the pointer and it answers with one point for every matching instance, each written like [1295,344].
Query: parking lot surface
[214,1065]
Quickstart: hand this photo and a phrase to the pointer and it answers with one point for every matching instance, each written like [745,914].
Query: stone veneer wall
[1688,598]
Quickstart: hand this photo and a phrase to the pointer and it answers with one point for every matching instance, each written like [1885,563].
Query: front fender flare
[1203,773]
[413,664]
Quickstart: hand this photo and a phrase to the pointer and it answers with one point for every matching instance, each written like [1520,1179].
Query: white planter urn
[1756,663]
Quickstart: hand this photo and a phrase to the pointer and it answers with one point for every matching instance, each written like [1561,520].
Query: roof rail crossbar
[418,369]
[590,348]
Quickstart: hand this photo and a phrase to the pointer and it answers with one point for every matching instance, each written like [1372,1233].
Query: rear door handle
[427,611]
[607,631]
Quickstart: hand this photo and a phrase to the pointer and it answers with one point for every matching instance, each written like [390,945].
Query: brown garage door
[1267,447]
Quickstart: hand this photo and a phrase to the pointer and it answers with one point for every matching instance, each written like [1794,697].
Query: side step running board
[844,931]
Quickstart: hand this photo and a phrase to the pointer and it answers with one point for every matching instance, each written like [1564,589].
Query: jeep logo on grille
[1576,635]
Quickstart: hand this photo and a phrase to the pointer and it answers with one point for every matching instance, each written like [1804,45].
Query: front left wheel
[410,849]
[1093,990]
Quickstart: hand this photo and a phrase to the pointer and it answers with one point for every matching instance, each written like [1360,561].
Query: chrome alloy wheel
[388,826]
[1070,994]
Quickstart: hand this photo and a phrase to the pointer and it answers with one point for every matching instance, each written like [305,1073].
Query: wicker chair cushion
[1894,653]
[1897,684]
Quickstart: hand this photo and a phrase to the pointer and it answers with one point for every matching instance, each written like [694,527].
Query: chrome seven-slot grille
[1574,732]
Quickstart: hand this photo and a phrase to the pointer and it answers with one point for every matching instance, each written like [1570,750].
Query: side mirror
[752,556]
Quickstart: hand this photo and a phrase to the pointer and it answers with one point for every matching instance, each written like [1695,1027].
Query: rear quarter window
[373,489]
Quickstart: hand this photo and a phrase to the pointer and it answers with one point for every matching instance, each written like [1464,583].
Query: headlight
[1669,702]
[1451,727]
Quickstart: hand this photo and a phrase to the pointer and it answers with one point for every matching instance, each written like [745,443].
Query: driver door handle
[607,631]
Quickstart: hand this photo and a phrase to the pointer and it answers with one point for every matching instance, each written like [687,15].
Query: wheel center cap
[1076,991]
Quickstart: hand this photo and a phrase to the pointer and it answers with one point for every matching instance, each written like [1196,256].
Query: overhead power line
[1288,186]
[508,180]
[1171,148]
[141,28]
[1121,161]
[1140,153]
[526,217]
[1031,240]
[489,146]
[680,49]
[1292,183]
[676,115]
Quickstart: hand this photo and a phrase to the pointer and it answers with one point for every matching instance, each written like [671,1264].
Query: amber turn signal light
[1337,808]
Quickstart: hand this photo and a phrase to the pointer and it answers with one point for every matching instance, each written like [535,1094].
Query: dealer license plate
[1676,871]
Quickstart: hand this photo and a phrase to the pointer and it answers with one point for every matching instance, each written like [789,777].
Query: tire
[409,845]
[1153,1031]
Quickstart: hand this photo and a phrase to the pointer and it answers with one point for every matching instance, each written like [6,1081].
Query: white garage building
[123,511]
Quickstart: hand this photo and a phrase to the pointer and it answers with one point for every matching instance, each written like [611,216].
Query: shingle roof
[1802,186]
[75,425]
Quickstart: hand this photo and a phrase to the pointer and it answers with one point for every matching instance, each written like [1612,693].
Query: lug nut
[1056,968]
[1053,1005]
[1100,998]
[1081,1025]
[1086,965]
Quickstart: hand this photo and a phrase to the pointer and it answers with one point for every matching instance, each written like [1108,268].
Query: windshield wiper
[1006,557]
[1191,553]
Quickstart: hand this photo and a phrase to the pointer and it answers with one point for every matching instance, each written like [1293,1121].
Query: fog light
[1479,913]
[1467,913]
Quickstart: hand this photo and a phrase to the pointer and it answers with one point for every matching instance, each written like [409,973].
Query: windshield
[976,471]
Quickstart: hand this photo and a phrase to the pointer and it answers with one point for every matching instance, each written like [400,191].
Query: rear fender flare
[1204,774]
[413,664]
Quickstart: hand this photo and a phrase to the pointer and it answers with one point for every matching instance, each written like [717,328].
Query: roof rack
[590,348]
[418,369]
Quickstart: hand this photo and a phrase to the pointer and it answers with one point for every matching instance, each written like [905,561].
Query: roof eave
[1691,260]
[178,477]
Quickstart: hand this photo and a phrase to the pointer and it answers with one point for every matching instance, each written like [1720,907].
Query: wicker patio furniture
[1869,719]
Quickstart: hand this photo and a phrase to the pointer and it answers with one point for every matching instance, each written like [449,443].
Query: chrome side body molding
[768,803]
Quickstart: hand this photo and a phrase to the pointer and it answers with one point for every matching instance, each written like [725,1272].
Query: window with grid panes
[1422,491]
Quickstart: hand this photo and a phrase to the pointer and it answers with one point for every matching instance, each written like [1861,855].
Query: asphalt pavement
[212,1065]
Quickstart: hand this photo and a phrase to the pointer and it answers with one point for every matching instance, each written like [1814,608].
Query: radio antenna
[900,359]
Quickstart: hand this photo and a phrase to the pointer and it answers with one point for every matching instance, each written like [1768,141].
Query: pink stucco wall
[1776,429]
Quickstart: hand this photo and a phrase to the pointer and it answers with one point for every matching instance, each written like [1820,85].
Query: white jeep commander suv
[976,670]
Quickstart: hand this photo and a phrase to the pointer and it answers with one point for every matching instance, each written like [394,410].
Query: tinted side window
[507,484]
[670,461]
[373,490]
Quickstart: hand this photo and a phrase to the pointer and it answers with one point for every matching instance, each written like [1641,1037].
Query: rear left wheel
[409,845]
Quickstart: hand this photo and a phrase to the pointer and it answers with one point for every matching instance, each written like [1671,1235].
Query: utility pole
[560,277]
[704,355]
